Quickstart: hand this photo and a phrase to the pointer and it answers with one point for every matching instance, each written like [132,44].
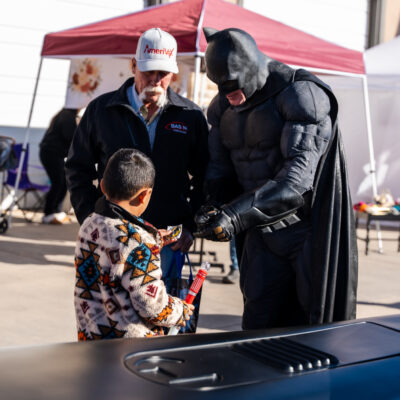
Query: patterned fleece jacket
[118,290]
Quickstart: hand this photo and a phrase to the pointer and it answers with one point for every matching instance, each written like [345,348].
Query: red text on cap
[167,52]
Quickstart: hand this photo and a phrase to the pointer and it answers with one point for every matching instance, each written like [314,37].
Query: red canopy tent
[185,19]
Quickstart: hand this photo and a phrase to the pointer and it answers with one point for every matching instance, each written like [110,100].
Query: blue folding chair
[25,186]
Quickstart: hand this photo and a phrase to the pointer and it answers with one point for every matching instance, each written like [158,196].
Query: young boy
[119,291]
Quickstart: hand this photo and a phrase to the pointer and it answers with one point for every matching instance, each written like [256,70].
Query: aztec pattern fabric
[118,290]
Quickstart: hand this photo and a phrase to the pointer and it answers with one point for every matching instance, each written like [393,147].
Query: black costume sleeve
[305,136]
[80,168]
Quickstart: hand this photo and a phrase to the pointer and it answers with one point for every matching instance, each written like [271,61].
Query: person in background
[53,151]
[119,291]
[233,275]
[145,114]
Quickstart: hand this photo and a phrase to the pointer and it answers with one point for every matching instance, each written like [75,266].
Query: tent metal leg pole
[197,64]
[203,90]
[24,146]
[371,155]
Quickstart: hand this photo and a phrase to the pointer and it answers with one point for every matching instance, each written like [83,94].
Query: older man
[144,113]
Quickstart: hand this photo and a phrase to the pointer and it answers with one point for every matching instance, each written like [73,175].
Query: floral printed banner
[91,77]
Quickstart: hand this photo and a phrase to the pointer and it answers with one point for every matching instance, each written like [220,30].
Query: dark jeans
[275,277]
[54,166]
[233,255]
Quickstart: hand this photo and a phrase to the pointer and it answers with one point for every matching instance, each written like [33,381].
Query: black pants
[275,277]
[53,163]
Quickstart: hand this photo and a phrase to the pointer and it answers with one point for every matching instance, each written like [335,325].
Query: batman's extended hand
[214,224]
[271,207]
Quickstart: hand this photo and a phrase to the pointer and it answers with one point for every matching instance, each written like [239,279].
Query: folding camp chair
[25,186]
[8,161]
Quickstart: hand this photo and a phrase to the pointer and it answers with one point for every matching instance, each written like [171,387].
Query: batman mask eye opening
[228,86]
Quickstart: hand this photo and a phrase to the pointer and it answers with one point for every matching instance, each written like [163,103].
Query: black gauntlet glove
[214,224]
[271,207]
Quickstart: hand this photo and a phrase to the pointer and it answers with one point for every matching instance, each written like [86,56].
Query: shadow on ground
[215,279]
[220,321]
[22,230]
[36,244]
[391,305]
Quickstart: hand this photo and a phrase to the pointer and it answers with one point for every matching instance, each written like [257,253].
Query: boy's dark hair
[127,171]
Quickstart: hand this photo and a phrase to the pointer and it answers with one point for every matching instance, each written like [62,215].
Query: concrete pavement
[37,273]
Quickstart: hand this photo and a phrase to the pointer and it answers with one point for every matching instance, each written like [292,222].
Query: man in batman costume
[277,182]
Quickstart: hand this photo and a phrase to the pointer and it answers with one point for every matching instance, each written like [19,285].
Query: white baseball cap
[156,51]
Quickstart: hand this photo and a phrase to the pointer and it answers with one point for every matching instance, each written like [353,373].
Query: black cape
[334,256]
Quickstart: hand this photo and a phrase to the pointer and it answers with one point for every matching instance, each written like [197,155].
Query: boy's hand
[164,236]
[184,242]
[187,313]
[187,310]
[190,312]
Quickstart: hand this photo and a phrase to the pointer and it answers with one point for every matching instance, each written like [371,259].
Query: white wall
[343,22]
[23,24]
[352,123]
[385,120]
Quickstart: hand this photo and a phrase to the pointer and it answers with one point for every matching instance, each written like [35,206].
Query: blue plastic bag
[179,287]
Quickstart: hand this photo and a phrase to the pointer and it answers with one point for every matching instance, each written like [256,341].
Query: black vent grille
[286,355]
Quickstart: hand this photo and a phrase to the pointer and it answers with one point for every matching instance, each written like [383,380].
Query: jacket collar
[111,210]
[119,97]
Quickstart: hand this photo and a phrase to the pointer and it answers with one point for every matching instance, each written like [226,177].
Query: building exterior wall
[341,22]
[23,25]
[391,20]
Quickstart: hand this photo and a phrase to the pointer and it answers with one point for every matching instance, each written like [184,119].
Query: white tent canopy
[384,60]
[383,73]
[353,116]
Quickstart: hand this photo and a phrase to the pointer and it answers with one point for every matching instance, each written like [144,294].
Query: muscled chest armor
[253,139]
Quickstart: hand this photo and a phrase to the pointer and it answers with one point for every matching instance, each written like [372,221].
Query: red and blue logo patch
[178,127]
